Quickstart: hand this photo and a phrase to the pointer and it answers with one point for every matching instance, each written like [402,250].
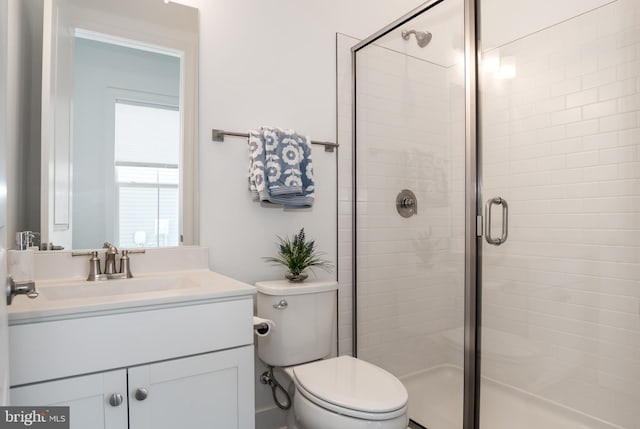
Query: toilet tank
[305,319]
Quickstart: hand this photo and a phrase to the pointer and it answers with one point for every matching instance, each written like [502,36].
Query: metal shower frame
[473,203]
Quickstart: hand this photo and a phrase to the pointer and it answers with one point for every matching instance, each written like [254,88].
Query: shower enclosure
[496,212]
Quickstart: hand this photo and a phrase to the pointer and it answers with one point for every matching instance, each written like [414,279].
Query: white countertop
[72,298]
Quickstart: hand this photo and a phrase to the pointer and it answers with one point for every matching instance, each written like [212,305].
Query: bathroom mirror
[118,123]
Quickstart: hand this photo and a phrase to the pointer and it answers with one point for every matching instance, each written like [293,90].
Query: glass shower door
[410,208]
[560,143]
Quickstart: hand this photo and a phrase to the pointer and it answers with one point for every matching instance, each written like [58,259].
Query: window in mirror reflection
[147,155]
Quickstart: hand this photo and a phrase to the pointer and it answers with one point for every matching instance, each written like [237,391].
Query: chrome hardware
[218,136]
[116,399]
[26,239]
[422,37]
[261,328]
[21,288]
[111,251]
[505,220]
[125,265]
[269,378]
[110,258]
[406,203]
[281,305]
[141,394]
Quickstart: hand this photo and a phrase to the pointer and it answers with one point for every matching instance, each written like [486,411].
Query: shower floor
[435,401]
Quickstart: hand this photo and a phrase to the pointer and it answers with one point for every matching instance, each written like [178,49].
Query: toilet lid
[352,384]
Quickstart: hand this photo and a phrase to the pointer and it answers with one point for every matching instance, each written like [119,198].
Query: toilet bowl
[347,393]
[341,392]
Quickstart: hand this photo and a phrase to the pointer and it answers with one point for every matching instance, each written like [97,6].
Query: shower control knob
[141,394]
[406,203]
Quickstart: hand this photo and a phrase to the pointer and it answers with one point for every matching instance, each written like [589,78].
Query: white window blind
[147,148]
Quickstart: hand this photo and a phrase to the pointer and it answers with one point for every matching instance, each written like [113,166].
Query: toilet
[341,392]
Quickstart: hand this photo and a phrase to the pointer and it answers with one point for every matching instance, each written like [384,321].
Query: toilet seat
[352,387]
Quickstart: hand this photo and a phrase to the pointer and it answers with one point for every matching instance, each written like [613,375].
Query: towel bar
[218,136]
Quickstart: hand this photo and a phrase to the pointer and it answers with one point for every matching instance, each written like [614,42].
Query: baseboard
[271,418]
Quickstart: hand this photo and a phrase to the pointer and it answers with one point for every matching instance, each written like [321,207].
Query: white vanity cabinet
[87,396]
[206,391]
[203,391]
[186,364]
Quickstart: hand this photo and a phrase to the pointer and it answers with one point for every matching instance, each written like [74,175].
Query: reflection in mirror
[118,123]
[125,188]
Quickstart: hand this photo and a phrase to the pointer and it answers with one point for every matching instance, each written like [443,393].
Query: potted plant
[297,255]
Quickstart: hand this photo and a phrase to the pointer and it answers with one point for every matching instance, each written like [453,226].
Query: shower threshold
[435,401]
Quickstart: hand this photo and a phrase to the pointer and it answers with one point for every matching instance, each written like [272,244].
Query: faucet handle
[94,263]
[125,266]
[131,251]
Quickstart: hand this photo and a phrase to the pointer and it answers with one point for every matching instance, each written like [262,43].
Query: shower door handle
[505,220]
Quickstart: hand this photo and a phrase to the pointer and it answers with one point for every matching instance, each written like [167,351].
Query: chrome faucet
[21,288]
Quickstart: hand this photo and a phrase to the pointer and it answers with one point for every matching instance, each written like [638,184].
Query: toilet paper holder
[262,327]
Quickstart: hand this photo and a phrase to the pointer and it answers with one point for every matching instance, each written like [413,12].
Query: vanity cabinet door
[87,396]
[213,390]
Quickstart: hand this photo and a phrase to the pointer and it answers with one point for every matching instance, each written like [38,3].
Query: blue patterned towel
[257,180]
[280,167]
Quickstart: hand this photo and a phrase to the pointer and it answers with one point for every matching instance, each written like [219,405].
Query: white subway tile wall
[410,125]
[561,143]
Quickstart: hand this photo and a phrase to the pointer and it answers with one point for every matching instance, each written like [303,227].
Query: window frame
[112,194]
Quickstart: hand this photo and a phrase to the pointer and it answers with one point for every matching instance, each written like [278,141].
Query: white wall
[561,142]
[269,63]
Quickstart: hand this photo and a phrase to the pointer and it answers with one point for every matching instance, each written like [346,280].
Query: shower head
[422,37]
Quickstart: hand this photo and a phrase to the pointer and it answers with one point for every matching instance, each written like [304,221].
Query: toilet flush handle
[281,305]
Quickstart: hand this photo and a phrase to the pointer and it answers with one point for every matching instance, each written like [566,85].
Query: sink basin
[70,298]
[106,288]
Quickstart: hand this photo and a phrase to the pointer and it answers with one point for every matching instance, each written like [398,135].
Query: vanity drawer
[81,345]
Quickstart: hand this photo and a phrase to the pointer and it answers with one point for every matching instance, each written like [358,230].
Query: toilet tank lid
[285,287]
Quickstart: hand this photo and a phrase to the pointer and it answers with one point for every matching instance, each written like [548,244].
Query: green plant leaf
[297,254]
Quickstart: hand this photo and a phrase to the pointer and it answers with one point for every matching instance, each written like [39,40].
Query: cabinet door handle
[115,399]
[141,394]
